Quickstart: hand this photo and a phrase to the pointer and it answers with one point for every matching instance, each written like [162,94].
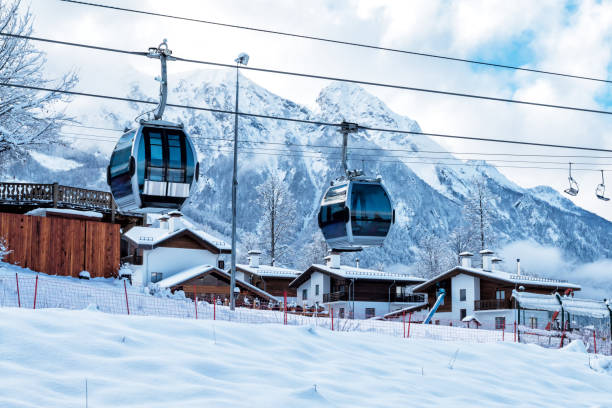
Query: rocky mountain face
[428,196]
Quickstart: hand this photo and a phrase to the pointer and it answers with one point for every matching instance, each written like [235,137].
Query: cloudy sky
[572,37]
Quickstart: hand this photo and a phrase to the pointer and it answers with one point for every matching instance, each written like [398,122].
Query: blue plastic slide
[435,306]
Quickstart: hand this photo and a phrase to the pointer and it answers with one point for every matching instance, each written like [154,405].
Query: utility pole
[242,59]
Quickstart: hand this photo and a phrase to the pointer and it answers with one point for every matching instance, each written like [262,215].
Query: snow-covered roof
[351,272]
[471,318]
[191,273]
[554,302]
[42,212]
[408,309]
[155,236]
[269,271]
[184,276]
[501,276]
[537,301]
[585,307]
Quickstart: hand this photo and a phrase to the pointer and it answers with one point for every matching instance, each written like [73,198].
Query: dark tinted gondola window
[333,224]
[176,171]
[119,166]
[371,210]
[156,164]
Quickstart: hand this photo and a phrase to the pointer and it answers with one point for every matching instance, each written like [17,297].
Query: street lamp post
[242,59]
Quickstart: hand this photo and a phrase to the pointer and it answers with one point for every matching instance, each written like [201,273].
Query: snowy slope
[158,362]
[428,197]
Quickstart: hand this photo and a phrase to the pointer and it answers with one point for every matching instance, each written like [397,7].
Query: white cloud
[549,262]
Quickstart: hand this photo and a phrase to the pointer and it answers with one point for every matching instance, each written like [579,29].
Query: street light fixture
[243,59]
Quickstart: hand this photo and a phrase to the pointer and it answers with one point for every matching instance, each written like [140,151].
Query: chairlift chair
[600,191]
[573,184]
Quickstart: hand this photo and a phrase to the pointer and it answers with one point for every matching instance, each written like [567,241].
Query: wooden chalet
[172,246]
[272,279]
[210,283]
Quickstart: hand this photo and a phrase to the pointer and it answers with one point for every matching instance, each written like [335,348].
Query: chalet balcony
[408,298]
[492,304]
[335,296]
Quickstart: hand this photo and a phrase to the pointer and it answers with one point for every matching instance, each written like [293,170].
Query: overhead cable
[328,78]
[341,42]
[304,121]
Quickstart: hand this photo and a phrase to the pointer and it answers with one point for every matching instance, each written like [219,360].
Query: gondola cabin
[356,213]
[153,168]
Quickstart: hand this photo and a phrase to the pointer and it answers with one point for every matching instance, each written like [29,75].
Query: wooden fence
[60,246]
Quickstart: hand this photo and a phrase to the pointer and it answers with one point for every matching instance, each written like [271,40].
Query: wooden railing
[408,298]
[56,195]
[492,304]
[334,296]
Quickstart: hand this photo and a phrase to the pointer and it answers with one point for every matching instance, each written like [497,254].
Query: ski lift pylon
[600,191]
[573,184]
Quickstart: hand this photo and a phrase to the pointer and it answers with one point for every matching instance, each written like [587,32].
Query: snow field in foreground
[133,361]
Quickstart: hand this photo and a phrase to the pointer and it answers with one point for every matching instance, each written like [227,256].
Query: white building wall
[472,292]
[170,261]
[300,300]
[322,280]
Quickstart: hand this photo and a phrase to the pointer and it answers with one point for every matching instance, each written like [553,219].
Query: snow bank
[157,362]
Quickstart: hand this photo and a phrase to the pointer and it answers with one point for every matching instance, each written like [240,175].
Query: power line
[327,78]
[304,121]
[341,42]
[327,155]
[290,144]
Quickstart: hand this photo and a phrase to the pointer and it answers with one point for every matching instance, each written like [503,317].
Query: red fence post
[404,322]
[195,300]
[515,331]
[504,332]
[285,309]
[215,308]
[35,291]
[18,297]
[127,305]
[594,342]
[331,310]
[409,321]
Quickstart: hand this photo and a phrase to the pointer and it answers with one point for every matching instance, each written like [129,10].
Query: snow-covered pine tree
[27,117]
[479,212]
[4,249]
[433,257]
[277,225]
[314,251]
[461,239]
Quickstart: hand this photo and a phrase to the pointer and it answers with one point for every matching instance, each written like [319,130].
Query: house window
[533,322]
[462,314]
[156,276]
[500,294]
[500,323]
[341,313]
[370,312]
[316,290]
[304,294]
[221,264]
[462,295]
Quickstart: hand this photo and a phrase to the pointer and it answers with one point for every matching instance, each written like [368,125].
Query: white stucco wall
[472,293]
[170,261]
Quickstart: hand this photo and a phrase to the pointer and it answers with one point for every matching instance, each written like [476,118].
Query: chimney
[254,258]
[163,222]
[333,260]
[175,222]
[487,256]
[495,261]
[357,263]
[518,266]
[465,259]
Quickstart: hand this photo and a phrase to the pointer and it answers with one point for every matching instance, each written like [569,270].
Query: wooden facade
[275,286]
[61,246]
